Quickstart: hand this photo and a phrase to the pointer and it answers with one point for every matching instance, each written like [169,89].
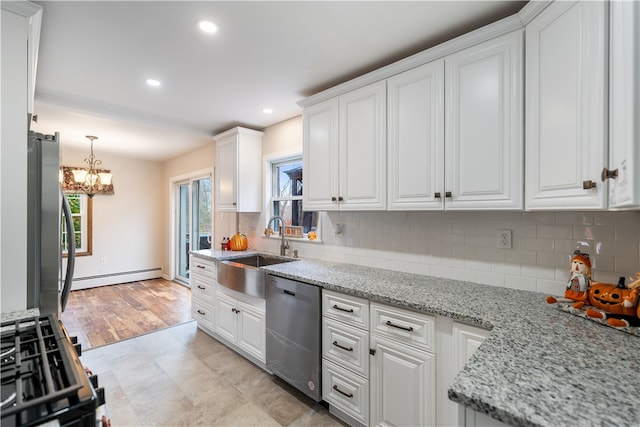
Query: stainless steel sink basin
[243,274]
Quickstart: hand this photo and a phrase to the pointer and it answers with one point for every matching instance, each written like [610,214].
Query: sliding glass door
[194,222]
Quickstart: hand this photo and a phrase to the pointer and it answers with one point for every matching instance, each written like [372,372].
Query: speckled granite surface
[538,367]
[16,315]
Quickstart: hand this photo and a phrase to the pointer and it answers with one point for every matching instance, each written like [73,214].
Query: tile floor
[180,376]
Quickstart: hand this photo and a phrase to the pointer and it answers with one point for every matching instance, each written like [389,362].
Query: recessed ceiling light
[153,82]
[267,110]
[207,26]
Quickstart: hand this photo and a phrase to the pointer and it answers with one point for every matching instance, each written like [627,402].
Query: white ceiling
[95,55]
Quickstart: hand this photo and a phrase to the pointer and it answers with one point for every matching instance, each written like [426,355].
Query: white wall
[462,245]
[128,232]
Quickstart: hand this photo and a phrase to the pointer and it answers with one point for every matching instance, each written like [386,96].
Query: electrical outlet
[504,239]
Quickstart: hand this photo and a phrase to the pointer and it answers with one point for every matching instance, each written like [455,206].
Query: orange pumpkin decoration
[614,299]
[239,242]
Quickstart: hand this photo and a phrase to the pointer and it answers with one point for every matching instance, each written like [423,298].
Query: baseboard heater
[114,278]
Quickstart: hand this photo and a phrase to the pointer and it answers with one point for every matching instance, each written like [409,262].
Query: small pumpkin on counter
[239,242]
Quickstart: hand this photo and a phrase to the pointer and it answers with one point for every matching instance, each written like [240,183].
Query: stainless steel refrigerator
[48,286]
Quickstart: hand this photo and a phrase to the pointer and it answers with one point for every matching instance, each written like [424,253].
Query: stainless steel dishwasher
[293,334]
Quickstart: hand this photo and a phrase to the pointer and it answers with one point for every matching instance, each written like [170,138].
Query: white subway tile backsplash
[540,272]
[493,279]
[552,259]
[550,287]
[554,231]
[519,282]
[574,218]
[463,245]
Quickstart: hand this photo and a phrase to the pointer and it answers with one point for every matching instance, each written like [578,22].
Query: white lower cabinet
[345,356]
[203,275]
[242,324]
[402,364]
[346,391]
[402,384]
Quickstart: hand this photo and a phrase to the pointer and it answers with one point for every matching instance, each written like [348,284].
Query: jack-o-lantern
[614,299]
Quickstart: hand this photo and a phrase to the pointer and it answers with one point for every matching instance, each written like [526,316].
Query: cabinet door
[363,155]
[624,108]
[416,138]
[566,57]
[226,317]
[251,330]
[320,156]
[483,119]
[227,173]
[402,385]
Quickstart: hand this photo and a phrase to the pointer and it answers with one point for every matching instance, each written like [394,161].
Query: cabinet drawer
[202,288]
[202,313]
[406,326]
[346,308]
[346,391]
[200,266]
[346,346]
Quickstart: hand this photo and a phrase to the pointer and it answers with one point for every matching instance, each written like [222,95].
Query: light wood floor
[107,314]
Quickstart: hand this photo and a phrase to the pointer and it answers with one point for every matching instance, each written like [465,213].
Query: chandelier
[91,180]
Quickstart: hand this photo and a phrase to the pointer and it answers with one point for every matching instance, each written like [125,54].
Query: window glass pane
[293,214]
[288,179]
[74,203]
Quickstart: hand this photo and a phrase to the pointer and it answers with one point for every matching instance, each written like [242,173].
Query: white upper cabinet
[239,170]
[344,151]
[415,163]
[624,106]
[363,148]
[320,156]
[566,110]
[484,125]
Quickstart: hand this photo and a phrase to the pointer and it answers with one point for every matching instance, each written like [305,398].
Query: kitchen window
[286,196]
[81,206]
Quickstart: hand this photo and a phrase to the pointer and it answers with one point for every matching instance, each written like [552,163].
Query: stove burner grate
[37,371]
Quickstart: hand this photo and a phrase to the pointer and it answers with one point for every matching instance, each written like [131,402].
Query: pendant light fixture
[91,180]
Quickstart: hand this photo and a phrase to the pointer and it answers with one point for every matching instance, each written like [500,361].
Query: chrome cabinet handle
[404,328]
[200,287]
[201,312]
[349,395]
[346,310]
[342,347]
[201,266]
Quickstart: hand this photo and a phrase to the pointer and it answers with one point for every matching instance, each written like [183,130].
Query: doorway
[194,221]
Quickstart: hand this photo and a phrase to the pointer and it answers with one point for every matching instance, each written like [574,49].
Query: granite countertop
[17,315]
[539,366]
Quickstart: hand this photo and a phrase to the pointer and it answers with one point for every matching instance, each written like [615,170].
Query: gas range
[42,378]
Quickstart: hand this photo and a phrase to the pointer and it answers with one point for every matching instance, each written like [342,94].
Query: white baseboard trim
[115,278]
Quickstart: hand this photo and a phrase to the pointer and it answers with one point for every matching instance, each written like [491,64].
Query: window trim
[87,221]
[268,161]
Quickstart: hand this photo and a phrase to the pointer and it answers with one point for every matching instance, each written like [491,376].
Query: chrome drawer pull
[201,266]
[349,395]
[342,347]
[349,310]
[201,312]
[404,328]
[200,287]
